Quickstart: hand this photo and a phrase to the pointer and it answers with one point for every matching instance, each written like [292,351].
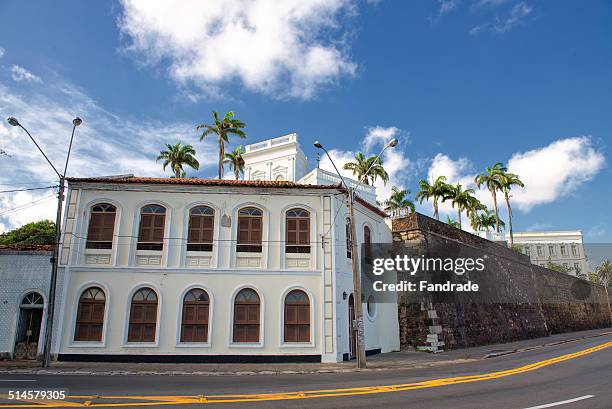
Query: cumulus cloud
[106,143]
[549,173]
[1,52]
[447,6]
[396,162]
[21,74]
[284,49]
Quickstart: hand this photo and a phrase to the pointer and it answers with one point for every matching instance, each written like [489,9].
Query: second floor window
[298,231]
[574,250]
[540,251]
[101,226]
[367,242]
[151,232]
[250,225]
[201,227]
[551,250]
[562,247]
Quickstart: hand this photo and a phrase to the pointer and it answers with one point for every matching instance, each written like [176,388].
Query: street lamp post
[350,196]
[58,232]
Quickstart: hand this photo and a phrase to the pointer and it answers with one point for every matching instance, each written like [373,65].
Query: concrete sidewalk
[395,360]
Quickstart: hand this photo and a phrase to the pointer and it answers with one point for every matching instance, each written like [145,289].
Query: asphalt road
[587,378]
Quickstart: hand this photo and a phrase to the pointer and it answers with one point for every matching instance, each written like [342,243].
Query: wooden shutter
[152,224]
[297,317]
[250,226]
[201,226]
[90,315]
[101,227]
[246,316]
[297,231]
[143,316]
[194,326]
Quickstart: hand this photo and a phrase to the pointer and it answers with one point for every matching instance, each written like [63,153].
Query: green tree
[490,178]
[463,199]
[436,190]
[41,232]
[452,222]
[557,267]
[485,220]
[177,156]
[360,166]
[235,161]
[223,128]
[603,276]
[507,181]
[397,202]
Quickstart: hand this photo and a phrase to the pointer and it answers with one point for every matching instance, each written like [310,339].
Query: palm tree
[603,276]
[361,165]
[452,222]
[436,190]
[488,220]
[506,181]
[491,180]
[235,161]
[462,198]
[223,128]
[398,202]
[178,155]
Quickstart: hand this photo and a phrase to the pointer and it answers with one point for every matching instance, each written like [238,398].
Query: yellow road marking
[90,400]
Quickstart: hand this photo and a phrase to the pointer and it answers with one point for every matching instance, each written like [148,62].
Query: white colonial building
[564,248]
[208,270]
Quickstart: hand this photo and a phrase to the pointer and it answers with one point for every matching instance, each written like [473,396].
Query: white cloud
[21,74]
[284,49]
[596,231]
[2,51]
[447,6]
[549,173]
[518,13]
[106,143]
[554,171]
[396,163]
[482,3]
[538,227]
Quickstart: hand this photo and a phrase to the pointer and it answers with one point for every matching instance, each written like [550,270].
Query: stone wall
[516,300]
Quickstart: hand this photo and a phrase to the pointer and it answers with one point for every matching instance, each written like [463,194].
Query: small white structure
[208,270]
[560,247]
[25,274]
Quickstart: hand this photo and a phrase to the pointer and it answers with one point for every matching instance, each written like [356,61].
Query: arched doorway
[351,317]
[28,326]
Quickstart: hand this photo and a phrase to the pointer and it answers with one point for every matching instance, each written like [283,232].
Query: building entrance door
[29,325]
[352,338]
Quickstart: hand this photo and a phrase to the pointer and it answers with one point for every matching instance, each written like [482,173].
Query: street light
[58,232]
[350,193]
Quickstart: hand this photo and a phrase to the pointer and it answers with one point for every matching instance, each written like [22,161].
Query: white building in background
[205,270]
[560,247]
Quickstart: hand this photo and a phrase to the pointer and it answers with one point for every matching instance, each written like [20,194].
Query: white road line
[563,402]
[17,380]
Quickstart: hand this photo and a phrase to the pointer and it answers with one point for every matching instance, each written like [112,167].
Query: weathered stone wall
[516,300]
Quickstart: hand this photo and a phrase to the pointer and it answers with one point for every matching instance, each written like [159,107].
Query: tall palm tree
[398,202]
[436,190]
[361,164]
[506,181]
[223,128]
[488,220]
[490,178]
[603,275]
[235,161]
[178,155]
[462,198]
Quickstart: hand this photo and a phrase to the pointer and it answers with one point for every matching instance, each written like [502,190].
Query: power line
[27,205]
[28,189]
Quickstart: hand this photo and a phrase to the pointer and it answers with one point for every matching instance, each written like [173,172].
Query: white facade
[275,159]
[560,247]
[324,274]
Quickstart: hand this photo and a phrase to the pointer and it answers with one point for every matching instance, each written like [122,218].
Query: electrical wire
[27,205]
[28,189]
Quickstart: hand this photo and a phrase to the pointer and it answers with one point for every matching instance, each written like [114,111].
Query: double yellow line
[128,401]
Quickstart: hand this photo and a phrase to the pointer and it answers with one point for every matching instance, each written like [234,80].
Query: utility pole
[58,235]
[358,326]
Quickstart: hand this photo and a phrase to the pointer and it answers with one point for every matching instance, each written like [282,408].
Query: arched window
[101,226]
[250,221]
[143,316]
[367,241]
[297,317]
[201,227]
[347,229]
[297,231]
[194,326]
[152,223]
[90,315]
[246,316]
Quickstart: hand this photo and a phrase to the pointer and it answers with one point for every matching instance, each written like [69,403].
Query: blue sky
[462,83]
